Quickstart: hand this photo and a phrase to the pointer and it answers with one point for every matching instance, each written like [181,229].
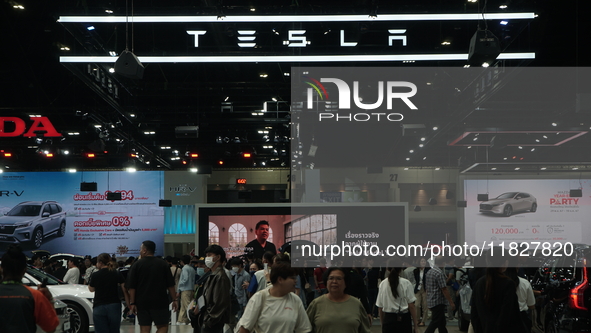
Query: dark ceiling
[224,99]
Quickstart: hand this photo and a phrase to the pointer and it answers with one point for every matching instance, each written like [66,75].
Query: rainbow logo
[320,90]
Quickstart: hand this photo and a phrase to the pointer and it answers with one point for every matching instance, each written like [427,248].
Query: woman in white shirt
[73,273]
[278,308]
[395,302]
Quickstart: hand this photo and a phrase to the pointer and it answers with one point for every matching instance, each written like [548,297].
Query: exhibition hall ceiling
[231,79]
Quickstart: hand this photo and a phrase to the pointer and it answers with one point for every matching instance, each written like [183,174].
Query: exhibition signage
[265,38]
[32,201]
[527,210]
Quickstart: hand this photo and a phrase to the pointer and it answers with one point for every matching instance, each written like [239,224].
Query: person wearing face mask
[216,309]
[240,277]
[185,288]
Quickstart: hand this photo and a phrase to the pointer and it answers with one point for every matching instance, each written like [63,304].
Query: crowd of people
[263,294]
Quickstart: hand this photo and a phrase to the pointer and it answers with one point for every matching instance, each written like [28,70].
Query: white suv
[76,296]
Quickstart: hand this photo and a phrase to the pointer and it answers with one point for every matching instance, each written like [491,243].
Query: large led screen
[328,227]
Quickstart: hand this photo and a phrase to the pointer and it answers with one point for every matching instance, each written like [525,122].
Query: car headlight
[23,225]
[498,204]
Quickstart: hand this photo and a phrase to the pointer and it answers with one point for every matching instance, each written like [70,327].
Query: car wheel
[78,318]
[62,230]
[534,207]
[37,239]
[508,210]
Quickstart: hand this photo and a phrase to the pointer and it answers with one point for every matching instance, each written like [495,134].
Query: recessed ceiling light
[437,168]
[554,124]
[408,158]
[405,168]
[493,168]
[543,168]
[421,145]
[423,139]
[575,168]
[411,151]
[517,168]
[435,128]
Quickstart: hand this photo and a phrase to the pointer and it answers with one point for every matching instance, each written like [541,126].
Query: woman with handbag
[395,302]
[276,309]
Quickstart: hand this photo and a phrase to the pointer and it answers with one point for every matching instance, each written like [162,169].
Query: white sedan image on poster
[529,210]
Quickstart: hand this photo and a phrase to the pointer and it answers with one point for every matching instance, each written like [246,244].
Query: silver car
[508,203]
[32,221]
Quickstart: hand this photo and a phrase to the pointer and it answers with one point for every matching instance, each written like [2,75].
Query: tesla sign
[14,126]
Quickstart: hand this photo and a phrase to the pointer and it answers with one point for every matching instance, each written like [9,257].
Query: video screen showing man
[260,245]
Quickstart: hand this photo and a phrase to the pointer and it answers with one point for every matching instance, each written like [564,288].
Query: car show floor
[452,327]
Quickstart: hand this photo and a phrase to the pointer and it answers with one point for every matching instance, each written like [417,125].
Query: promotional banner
[540,210]
[48,211]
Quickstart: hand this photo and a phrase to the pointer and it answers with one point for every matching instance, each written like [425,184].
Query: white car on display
[509,203]
[76,296]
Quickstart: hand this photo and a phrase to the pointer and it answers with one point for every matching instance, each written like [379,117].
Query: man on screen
[260,245]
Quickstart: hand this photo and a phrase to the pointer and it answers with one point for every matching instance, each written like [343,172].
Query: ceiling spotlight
[194,170]
[437,168]
[111,70]
[263,75]
[543,168]
[286,74]
[554,124]
[435,128]
[503,22]
[445,43]
[493,169]
[108,11]
[411,151]
[252,9]
[424,158]
[423,139]
[517,168]
[421,145]
[90,28]
[405,168]
[71,170]
[485,64]
[533,149]
[575,168]
[408,158]
[503,7]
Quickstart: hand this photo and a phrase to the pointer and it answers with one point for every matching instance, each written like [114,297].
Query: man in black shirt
[260,245]
[148,280]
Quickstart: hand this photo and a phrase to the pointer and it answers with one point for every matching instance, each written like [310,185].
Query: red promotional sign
[241,181]
[41,125]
